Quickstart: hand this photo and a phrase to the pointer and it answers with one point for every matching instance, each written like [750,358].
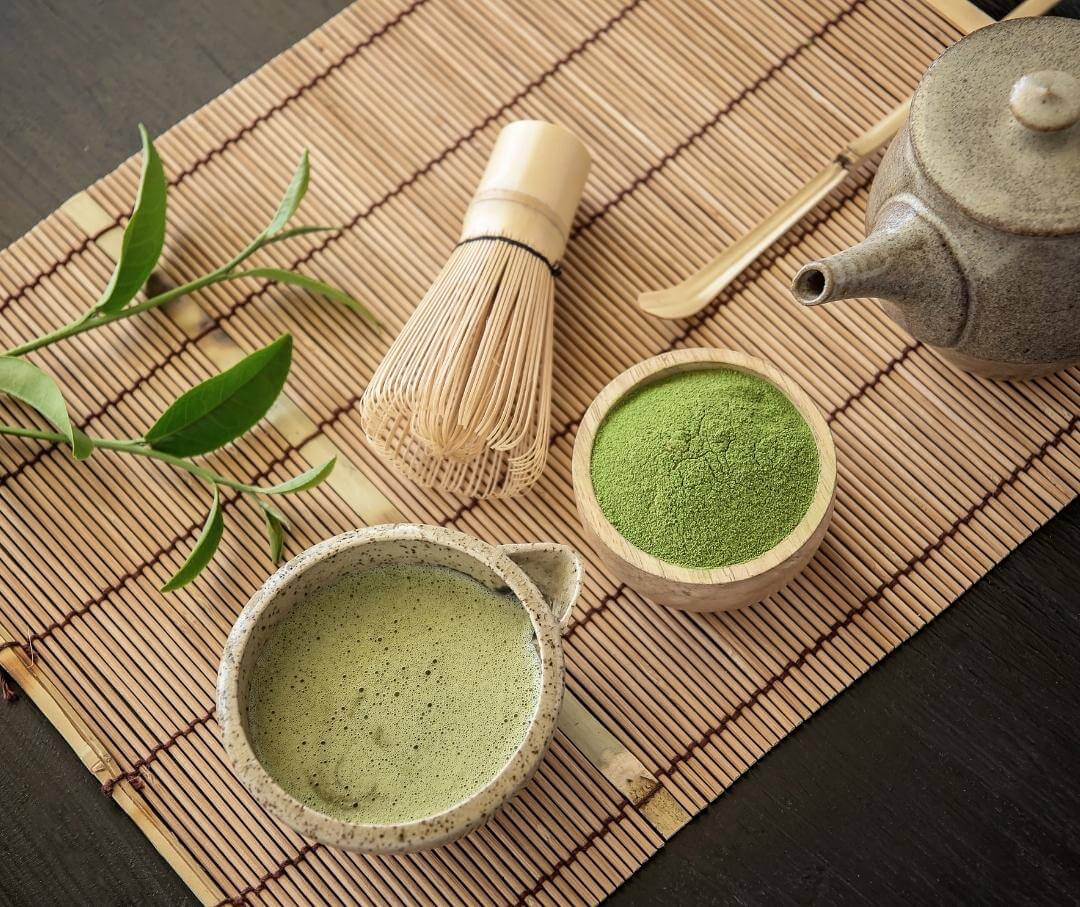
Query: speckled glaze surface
[545,577]
[973,225]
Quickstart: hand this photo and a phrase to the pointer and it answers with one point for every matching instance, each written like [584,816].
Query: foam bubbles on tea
[394,693]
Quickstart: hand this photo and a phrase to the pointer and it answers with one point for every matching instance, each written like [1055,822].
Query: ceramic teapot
[973,222]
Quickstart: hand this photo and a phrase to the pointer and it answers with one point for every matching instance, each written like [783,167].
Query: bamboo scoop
[698,290]
[462,400]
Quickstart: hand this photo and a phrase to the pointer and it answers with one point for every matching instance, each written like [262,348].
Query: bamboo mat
[700,119]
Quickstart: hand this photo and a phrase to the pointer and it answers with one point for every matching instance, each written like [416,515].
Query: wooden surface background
[946,774]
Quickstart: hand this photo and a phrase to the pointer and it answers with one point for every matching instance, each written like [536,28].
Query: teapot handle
[556,570]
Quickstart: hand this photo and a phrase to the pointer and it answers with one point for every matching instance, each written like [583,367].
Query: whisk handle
[531,187]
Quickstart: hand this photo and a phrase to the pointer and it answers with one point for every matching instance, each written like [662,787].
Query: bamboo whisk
[462,400]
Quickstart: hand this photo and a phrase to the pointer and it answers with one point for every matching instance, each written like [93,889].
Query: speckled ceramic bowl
[546,578]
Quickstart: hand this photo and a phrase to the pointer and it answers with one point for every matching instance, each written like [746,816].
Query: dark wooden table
[949,774]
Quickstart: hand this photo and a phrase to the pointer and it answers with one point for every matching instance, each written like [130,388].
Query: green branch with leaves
[208,416]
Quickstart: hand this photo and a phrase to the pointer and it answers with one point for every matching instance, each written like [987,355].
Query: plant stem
[138,449]
[85,324]
[90,320]
[32,433]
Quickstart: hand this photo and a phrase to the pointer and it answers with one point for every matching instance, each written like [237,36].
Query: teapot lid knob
[1047,100]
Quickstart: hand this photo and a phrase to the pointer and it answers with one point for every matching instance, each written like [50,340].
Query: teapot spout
[875,267]
[907,261]
[854,273]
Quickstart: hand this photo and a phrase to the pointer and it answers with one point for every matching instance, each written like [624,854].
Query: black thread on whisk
[555,269]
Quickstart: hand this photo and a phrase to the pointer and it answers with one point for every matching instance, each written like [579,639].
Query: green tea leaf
[299,231]
[26,382]
[309,479]
[274,512]
[144,235]
[314,286]
[222,408]
[275,530]
[204,549]
[81,445]
[293,196]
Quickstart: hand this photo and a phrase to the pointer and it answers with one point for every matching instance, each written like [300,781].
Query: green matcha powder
[705,468]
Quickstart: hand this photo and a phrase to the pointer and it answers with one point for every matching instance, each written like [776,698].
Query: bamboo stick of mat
[691,295]
[96,757]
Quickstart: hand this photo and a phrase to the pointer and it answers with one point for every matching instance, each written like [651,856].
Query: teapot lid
[995,125]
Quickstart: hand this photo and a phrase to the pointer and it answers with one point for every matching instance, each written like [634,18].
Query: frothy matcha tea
[394,693]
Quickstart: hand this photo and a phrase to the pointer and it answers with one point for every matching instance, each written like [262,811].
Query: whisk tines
[462,400]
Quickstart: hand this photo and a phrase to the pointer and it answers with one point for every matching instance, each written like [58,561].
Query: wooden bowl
[686,588]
